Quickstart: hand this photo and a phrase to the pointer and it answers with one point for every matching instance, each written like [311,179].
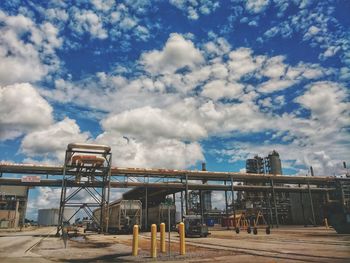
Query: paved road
[16,246]
[296,244]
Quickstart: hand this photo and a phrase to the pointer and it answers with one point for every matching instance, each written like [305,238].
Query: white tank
[49,217]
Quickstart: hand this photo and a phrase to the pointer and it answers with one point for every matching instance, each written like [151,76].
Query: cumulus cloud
[256,6]
[193,9]
[27,50]
[218,89]
[152,153]
[327,102]
[188,98]
[177,53]
[87,21]
[52,141]
[150,122]
[242,62]
[22,110]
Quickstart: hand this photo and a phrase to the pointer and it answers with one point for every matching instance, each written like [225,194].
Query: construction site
[168,215]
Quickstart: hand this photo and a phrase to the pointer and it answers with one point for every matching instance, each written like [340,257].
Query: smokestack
[312,171]
[204,168]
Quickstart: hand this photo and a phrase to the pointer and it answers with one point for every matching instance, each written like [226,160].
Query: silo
[275,166]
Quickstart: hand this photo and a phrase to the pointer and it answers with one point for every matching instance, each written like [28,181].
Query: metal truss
[89,167]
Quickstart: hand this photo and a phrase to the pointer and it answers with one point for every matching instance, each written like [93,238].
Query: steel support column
[311,204]
[302,207]
[274,202]
[201,205]
[146,208]
[233,203]
[226,208]
[186,195]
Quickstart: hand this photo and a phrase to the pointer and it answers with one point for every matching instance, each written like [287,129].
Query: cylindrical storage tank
[49,217]
[275,163]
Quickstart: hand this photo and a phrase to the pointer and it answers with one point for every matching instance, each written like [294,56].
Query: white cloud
[219,89]
[217,47]
[173,109]
[319,26]
[86,21]
[22,110]
[327,102]
[152,153]
[275,85]
[256,6]
[274,67]
[52,141]
[193,9]
[26,59]
[242,62]
[177,53]
[151,123]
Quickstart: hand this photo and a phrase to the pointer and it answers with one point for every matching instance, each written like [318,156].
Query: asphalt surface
[286,244]
[17,246]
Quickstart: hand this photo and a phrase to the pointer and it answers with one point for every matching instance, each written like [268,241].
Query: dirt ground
[285,244]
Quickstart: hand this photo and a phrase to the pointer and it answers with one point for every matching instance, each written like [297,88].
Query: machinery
[194,226]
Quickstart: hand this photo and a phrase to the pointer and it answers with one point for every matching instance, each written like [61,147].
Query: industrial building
[291,208]
[13,204]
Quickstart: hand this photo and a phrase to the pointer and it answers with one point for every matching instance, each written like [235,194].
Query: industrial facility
[13,205]
[263,189]
[259,199]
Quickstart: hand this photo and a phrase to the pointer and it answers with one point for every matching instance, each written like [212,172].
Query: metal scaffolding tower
[89,167]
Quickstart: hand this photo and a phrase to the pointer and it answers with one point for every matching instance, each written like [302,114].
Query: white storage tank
[49,217]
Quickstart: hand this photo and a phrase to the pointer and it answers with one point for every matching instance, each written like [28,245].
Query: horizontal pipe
[177,186]
[192,175]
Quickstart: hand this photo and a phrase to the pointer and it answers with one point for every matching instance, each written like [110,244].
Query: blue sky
[174,83]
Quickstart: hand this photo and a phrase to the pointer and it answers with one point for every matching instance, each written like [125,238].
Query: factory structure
[161,195]
[13,205]
[291,208]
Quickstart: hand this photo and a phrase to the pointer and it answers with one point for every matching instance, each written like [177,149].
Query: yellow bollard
[135,240]
[326,223]
[153,241]
[182,239]
[162,238]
